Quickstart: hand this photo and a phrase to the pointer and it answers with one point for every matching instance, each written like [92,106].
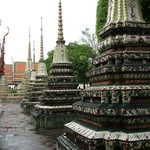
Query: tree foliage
[49,59]
[146,9]
[101,14]
[80,55]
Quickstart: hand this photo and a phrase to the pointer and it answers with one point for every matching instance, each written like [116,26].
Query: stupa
[57,99]
[29,64]
[30,86]
[39,83]
[33,72]
[114,113]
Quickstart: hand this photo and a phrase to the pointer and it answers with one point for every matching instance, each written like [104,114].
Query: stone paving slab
[18,133]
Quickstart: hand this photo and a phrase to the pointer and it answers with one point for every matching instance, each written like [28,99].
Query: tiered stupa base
[52,117]
[33,94]
[3,88]
[82,136]
[58,98]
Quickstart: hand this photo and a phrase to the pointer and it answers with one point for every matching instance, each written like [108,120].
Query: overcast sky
[19,15]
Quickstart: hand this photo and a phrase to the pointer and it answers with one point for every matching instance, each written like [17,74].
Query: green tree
[101,16]
[146,9]
[49,59]
[81,55]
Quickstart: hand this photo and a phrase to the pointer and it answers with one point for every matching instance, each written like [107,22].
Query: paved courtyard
[18,133]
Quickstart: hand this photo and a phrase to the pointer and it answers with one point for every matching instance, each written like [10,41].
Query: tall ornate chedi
[26,101]
[24,85]
[62,91]
[29,63]
[40,81]
[114,112]
[33,72]
[42,70]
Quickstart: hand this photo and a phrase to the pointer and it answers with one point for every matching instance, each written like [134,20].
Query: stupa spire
[41,46]
[29,48]
[42,71]
[60,37]
[60,52]
[33,72]
[33,69]
[124,11]
[29,59]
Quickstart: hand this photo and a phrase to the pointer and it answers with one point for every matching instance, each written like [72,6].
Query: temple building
[40,81]
[8,70]
[15,73]
[18,71]
[56,101]
[114,112]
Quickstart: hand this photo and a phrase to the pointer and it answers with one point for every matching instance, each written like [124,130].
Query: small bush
[13,91]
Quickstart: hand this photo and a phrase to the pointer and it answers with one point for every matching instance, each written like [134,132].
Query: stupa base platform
[64,143]
[28,107]
[52,117]
[100,138]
